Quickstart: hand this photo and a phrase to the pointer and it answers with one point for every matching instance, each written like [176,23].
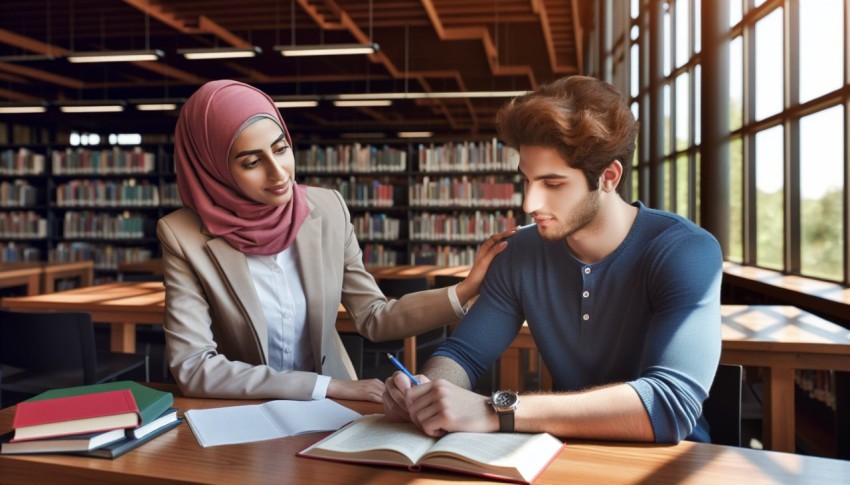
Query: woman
[256,265]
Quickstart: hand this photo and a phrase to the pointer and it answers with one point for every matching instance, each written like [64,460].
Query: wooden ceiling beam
[40,75]
[31,45]
[17,96]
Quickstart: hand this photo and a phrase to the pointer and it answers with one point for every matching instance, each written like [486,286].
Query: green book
[151,403]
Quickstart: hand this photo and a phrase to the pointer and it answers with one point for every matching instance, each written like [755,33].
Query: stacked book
[101,420]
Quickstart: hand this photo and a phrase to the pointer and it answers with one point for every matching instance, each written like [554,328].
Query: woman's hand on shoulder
[363,390]
[471,285]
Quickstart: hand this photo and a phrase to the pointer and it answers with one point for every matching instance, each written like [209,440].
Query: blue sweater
[647,315]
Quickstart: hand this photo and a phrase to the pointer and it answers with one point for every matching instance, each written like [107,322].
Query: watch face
[505,399]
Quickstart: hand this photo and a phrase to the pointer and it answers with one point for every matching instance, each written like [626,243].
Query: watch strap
[506,422]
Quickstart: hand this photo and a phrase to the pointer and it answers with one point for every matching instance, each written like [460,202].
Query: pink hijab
[208,125]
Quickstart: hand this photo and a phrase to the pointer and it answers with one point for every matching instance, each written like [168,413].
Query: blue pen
[401,367]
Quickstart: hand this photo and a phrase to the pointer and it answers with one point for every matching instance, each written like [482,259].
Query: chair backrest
[48,341]
[722,408]
[398,287]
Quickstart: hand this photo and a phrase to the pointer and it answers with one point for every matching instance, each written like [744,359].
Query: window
[821,68]
[821,193]
[770,186]
[788,163]
[769,68]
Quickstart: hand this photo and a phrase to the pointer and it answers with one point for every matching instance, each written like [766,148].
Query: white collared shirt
[277,280]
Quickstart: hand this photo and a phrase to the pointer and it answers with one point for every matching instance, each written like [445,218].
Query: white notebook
[274,419]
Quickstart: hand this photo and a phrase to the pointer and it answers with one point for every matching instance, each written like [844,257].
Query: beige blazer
[216,334]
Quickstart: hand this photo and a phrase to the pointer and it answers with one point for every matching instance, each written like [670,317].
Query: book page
[299,417]
[254,422]
[365,438]
[497,453]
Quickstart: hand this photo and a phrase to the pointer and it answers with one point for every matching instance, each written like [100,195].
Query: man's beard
[584,214]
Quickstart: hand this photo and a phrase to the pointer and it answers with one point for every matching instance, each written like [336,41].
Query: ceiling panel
[426,46]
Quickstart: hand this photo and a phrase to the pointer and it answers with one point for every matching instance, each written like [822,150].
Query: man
[622,301]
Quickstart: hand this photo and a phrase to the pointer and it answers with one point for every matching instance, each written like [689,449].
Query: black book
[64,444]
[120,447]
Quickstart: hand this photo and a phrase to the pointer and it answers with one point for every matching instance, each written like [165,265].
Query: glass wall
[788,161]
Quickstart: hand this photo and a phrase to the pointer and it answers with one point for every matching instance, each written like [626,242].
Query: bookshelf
[63,204]
[410,203]
[420,203]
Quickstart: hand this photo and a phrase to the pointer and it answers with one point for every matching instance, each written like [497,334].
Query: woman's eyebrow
[258,150]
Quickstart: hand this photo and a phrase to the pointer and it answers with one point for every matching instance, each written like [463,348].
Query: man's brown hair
[585,119]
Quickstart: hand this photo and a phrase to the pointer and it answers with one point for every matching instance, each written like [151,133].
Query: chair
[48,350]
[722,408]
[376,351]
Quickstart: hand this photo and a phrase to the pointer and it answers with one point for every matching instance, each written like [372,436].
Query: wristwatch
[505,404]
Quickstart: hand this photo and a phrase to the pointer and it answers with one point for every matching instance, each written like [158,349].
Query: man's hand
[365,390]
[438,407]
[395,389]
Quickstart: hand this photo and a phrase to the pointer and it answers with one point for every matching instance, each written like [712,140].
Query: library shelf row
[102,202]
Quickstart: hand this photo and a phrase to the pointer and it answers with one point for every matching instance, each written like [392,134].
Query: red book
[65,416]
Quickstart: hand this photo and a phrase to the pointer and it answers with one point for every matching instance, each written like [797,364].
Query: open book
[274,419]
[372,439]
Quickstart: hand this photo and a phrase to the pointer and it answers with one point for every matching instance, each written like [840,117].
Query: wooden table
[176,457]
[125,305]
[779,339]
[21,274]
[122,305]
[52,272]
[41,277]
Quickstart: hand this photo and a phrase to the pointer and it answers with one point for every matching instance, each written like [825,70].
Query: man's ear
[610,177]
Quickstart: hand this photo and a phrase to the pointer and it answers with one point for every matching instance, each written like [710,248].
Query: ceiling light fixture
[357,103]
[296,104]
[326,49]
[156,106]
[22,108]
[106,106]
[439,95]
[220,52]
[415,134]
[115,56]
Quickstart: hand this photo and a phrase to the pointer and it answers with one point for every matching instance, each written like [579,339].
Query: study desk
[41,277]
[21,274]
[779,339]
[176,457]
[122,305]
[125,305]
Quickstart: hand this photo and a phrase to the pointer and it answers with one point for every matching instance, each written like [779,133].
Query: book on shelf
[274,419]
[152,403]
[122,446]
[374,440]
[81,442]
[65,416]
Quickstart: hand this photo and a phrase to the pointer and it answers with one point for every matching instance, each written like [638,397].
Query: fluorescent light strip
[22,109]
[156,107]
[326,49]
[415,134]
[362,103]
[220,53]
[440,95]
[115,56]
[296,104]
[106,108]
